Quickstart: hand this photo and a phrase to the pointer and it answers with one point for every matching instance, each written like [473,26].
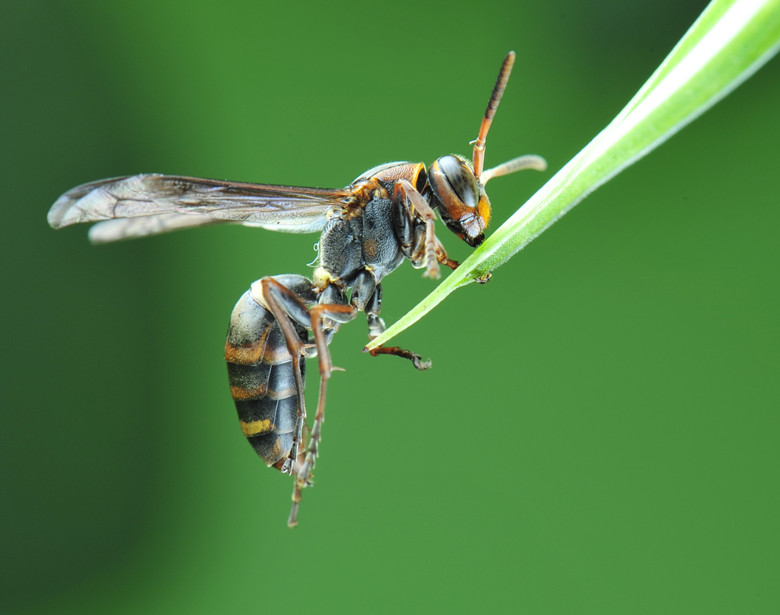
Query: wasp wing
[140,205]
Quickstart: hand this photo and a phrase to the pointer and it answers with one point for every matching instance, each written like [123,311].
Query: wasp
[367,229]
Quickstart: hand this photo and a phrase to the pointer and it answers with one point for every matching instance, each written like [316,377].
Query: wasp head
[460,198]
[459,187]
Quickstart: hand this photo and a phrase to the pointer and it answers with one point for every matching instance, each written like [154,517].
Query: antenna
[478,159]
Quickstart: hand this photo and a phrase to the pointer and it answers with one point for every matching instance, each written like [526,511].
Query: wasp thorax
[460,198]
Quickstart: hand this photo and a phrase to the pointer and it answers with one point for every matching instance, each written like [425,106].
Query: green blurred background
[599,433]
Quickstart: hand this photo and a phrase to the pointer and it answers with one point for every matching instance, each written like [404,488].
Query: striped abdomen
[260,371]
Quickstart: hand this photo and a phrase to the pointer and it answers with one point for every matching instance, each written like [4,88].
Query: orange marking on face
[483,210]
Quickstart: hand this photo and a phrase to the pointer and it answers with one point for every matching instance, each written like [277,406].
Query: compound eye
[461,179]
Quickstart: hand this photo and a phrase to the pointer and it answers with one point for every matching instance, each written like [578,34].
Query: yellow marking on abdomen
[254,428]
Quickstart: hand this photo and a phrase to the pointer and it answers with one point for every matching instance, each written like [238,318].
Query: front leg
[376,327]
[441,256]
[404,192]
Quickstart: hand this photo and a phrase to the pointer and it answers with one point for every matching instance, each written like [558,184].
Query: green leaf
[729,41]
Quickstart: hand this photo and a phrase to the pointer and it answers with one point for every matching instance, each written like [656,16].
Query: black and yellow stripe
[262,381]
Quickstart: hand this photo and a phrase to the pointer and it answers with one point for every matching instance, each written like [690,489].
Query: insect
[367,229]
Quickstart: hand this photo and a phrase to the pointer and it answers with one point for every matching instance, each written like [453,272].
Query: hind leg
[288,306]
[340,314]
[285,305]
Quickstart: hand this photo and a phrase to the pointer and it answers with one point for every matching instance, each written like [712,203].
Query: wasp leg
[400,352]
[286,306]
[441,256]
[376,327]
[404,190]
[340,314]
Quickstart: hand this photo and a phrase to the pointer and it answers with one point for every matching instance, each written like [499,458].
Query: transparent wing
[140,205]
